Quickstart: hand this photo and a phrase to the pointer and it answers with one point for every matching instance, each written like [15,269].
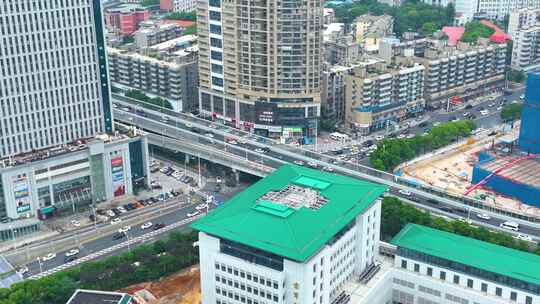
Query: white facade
[466,10]
[526,48]
[410,281]
[523,18]
[184,5]
[227,278]
[53,84]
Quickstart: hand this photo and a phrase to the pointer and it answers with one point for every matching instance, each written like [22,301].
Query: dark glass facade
[251,254]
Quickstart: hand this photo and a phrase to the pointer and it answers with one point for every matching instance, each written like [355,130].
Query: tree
[191,30]
[516,76]
[149,2]
[429,28]
[475,30]
[191,16]
[511,112]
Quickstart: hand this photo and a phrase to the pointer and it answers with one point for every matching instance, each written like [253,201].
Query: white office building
[54,102]
[430,266]
[467,10]
[297,236]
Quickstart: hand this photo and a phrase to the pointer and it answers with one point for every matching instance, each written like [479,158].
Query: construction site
[502,170]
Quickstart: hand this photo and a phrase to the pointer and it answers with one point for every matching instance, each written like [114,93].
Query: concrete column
[236,175]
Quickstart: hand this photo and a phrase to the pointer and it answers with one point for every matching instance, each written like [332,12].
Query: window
[484,287]
[456,279]
[469,283]
[215,3]
[528,300]
[215,42]
[416,268]
[430,271]
[215,29]
[498,291]
[442,275]
[216,16]
[513,296]
[217,81]
[404,264]
[216,55]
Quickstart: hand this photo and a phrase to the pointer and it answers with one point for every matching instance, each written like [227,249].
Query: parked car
[146,225]
[194,213]
[48,257]
[116,221]
[118,235]
[158,226]
[70,258]
[72,252]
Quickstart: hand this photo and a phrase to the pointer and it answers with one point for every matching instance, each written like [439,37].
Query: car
[379,137]
[146,225]
[164,169]
[401,136]
[72,252]
[409,136]
[111,213]
[524,237]
[483,216]
[328,169]
[116,211]
[491,105]
[299,162]
[189,125]
[522,97]
[70,258]
[164,119]
[192,214]
[48,257]
[118,235]
[259,150]
[266,149]
[122,209]
[219,179]
[23,270]
[437,123]
[510,226]
[202,206]
[209,135]
[209,199]
[158,226]
[75,223]
[116,221]
[499,108]
[127,109]
[405,192]
[233,142]
[312,164]
[466,114]
[124,229]
[484,112]
[469,106]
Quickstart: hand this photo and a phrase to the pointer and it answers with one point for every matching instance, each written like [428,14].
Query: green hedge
[395,215]
[392,152]
[143,263]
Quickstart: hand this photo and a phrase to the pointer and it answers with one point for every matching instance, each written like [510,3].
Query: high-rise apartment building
[259,64]
[292,260]
[58,147]
[381,94]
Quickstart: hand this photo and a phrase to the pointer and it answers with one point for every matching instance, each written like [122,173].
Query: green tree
[191,30]
[429,28]
[475,30]
[511,112]
[149,2]
[192,16]
[516,76]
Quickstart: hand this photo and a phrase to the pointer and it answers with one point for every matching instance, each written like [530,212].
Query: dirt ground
[452,171]
[180,288]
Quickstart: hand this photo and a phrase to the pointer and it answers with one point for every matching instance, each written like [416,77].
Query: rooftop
[82,296]
[504,261]
[526,171]
[276,204]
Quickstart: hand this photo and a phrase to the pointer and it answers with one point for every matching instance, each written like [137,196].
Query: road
[276,155]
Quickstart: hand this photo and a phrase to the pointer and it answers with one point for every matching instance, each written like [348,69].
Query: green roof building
[295,226]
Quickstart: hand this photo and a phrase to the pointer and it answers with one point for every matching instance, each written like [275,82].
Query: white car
[164,119]
[219,179]
[75,223]
[72,252]
[124,229]
[111,213]
[484,112]
[483,216]
[201,207]
[176,174]
[116,221]
[48,257]
[299,162]
[22,270]
[379,137]
[409,136]
[437,123]
[209,135]
[189,125]
[210,199]
[259,150]
[524,237]
[522,97]
[121,209]
[405,192]
[146,225]
[328,169]
[401,136]
[192,214]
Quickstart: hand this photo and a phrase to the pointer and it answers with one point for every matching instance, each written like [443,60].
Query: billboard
[117,173]
[265,113]
[21,193]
